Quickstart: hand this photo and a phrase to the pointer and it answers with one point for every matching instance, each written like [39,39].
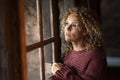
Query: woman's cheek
[67,38]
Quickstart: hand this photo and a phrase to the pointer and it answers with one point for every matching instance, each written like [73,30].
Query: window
[42,37]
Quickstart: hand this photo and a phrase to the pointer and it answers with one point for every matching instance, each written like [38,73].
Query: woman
[85,58]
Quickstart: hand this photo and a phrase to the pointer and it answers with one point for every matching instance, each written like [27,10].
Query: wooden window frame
[15,38]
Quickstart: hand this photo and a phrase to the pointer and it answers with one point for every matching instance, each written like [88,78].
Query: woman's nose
[68,27]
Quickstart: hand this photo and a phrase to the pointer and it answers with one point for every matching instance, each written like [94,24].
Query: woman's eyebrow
[76,22]
[72,22]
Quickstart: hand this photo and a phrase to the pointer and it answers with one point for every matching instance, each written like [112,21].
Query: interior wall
[110,15]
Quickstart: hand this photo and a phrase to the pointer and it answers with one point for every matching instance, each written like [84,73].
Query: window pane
[48,49]
[46,19]
[33,63]
[31,25]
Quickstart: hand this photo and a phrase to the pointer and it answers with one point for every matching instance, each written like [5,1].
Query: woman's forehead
[72,17]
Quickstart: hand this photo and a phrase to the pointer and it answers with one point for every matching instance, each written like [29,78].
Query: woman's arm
[94,71]
[67,73]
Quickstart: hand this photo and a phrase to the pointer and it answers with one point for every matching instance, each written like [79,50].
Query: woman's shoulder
[97,52]
[96,49]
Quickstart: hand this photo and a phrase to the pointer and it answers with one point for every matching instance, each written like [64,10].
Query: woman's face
[73,29]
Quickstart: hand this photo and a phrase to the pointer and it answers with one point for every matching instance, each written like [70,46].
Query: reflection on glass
[46,19]
[33,64]
[31,25]
[48,49]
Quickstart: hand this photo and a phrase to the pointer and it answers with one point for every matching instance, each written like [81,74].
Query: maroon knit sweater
[83,65]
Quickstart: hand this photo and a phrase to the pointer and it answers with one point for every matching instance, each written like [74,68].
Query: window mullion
[54,10]
[40,44]
[39,19]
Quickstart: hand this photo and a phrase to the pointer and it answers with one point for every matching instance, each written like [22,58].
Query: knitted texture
[84,65]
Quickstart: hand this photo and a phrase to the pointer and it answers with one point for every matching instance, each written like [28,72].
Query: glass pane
[46,19]
[48,49]
[31,25]
[33,63]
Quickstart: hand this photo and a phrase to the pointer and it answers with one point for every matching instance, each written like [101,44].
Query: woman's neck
[78,46]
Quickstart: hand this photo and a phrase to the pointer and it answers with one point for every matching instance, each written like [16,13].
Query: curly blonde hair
[91,25]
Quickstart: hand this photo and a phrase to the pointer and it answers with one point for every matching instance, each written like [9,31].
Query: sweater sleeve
[67,73]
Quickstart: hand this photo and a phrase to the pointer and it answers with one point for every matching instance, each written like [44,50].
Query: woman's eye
[74,25]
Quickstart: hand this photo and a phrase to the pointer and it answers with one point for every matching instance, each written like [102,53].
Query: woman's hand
[56,66]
